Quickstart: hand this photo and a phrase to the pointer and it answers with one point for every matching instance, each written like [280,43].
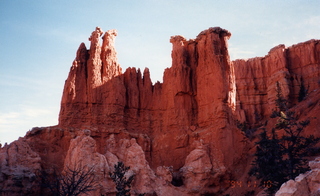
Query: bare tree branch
[72,181]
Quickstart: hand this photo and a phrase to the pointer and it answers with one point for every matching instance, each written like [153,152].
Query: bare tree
[72,181]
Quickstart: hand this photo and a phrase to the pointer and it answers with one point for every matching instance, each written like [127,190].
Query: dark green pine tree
[123,184]
[268,161]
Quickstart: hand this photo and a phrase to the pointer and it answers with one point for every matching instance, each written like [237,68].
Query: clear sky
[39,39]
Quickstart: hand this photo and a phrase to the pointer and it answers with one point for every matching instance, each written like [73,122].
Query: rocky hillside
[179,137]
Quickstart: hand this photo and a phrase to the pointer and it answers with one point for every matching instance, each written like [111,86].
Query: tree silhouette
[71,182]
[268,161]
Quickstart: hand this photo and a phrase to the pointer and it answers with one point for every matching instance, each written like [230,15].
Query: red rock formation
[82,154]
[110,66]
[197,169]
[195,93]
[183,128]
[200,97]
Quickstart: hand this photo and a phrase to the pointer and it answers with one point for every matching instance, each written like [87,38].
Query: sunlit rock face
[179,137]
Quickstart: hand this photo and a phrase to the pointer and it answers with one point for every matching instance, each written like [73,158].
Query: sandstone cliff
[179,137]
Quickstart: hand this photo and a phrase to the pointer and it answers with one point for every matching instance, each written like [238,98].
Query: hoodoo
[179,137]
[194,96]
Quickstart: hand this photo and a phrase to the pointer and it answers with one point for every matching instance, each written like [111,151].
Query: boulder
[305,184]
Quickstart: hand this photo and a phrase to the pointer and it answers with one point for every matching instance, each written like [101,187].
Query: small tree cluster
[123,184]
[280,158]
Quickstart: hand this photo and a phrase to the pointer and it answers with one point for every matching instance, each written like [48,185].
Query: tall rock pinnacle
[90,70]
[110,66]
[94,61]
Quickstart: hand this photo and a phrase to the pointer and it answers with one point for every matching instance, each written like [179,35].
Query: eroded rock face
[82,154]
[197,169]
[134,157]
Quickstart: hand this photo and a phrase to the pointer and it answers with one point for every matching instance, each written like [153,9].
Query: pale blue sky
[39,40]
